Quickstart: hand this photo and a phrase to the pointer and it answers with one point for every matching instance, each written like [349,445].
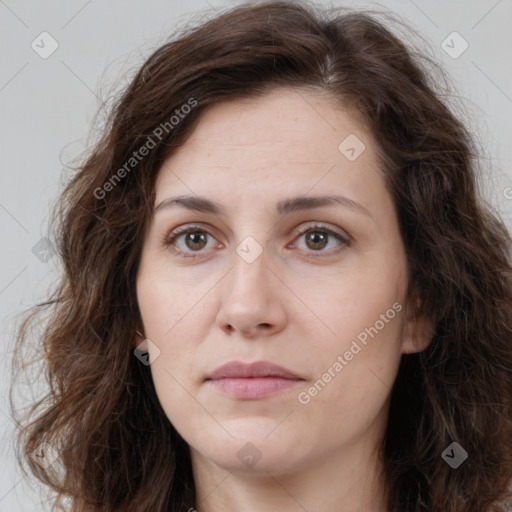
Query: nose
[253,299]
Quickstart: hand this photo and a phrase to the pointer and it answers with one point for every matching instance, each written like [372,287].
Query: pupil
[322,237]
[193,235]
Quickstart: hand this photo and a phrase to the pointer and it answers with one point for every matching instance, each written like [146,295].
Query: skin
[287,306]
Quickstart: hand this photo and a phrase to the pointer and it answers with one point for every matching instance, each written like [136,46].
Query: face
[317,288]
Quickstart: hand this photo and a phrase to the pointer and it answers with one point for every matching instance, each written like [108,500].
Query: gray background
[47,107]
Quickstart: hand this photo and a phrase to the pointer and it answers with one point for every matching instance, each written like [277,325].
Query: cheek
[169,313]
[170,319]
[355,375]
[354,302]
[357,361]
[173,371]
[165,302]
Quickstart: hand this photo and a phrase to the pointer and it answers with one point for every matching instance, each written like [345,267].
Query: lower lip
[253,387]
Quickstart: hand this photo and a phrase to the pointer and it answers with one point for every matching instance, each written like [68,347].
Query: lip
[252,380]
[238,369]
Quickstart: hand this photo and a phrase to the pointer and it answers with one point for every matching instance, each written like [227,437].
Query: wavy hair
[117,450]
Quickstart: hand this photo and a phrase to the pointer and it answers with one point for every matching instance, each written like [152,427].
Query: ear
[418,329]
[140,341]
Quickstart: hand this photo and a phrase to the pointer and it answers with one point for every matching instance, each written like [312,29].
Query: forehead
[286,142]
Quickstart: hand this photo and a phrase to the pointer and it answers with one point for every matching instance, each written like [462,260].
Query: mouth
[252,380]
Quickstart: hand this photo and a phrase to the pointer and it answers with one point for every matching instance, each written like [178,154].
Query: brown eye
[316,240]
[317,237]
[195,240]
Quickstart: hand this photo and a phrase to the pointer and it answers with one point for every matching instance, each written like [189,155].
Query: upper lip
[239,369]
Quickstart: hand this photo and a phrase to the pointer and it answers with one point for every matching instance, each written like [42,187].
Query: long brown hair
[117,451]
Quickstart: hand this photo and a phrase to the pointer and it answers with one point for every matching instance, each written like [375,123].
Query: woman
[282,290]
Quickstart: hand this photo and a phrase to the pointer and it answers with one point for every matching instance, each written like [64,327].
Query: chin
[264,461]
[252,450]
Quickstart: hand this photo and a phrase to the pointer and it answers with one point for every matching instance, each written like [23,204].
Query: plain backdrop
[48,104]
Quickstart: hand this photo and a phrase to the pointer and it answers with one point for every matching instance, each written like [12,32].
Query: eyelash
[174,235]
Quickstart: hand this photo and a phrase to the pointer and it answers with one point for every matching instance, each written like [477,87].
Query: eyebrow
[283,207]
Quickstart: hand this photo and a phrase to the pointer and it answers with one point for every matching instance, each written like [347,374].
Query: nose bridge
[250,297]
[250,261]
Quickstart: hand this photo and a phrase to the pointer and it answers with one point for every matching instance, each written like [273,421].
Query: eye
[195,238]
[318,237]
